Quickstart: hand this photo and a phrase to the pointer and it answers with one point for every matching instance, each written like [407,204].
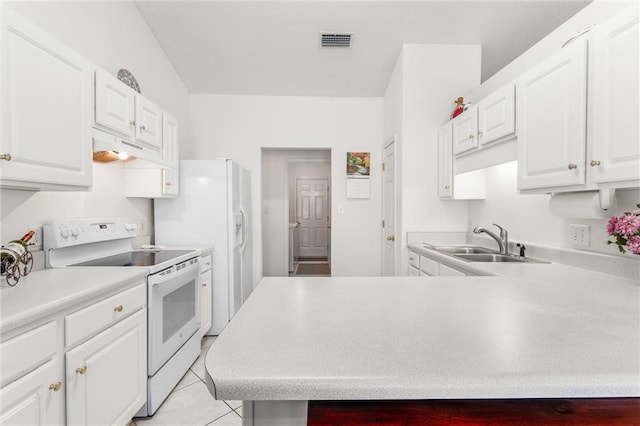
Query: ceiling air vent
[335,39]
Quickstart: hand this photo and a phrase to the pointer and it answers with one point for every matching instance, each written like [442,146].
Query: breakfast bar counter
[417,338]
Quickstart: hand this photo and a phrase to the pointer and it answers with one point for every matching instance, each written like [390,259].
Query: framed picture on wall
[358,168]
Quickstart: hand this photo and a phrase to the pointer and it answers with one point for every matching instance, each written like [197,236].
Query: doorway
[296,211]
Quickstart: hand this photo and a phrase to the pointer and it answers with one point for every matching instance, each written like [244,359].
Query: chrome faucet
[502,240]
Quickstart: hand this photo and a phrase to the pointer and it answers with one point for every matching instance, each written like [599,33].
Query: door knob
[391,238]
[81,370]
[572,166]
[55,386]
[594,163]
[6,157]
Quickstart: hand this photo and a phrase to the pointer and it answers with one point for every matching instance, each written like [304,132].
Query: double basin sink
[482,254]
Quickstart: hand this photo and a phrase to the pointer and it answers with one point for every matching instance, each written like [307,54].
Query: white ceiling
[272,47]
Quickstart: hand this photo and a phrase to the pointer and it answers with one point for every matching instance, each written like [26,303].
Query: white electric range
[173,295]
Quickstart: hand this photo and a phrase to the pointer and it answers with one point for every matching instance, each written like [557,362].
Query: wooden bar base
[583,412]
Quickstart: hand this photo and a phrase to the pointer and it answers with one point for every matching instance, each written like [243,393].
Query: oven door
[174,311]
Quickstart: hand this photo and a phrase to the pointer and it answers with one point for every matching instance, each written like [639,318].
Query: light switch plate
[579,235]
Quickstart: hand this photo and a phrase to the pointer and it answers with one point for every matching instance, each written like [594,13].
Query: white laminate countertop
[314,338]
[44,293]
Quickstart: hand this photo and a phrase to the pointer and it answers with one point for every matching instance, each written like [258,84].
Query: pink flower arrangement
[624,231]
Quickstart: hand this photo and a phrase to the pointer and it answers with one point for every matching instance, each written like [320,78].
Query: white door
[312,213]
[107,375]
[389,211]
[551,120]
[615,151]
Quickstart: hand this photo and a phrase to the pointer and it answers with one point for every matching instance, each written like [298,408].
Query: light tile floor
[191,404]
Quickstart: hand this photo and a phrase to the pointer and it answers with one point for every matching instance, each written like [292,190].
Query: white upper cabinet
[578,113]
[467,186]
[496,115]
[115,105]
[445,161]
[465,129]
[170,138]
[46,133]
[120,110]
[148,122]
[551,120]
[615,139]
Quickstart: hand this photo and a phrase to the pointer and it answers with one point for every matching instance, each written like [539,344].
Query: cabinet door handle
[391,238]
[168,183]
[132,123]
[6,157]
[470,136]
[81,370]
[55,386]
[143,128]
[594,163]
[204,284]
[479,133]
[572,166]
[118,308]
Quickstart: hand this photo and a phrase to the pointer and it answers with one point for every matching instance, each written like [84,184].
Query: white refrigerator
[213,208]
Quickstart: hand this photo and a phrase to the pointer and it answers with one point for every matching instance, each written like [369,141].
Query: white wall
[278,200]
[239,126]
[112,35]
[425,82]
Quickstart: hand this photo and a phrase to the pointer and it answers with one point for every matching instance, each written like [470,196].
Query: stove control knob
[64,233]
[130,227]
[75,232]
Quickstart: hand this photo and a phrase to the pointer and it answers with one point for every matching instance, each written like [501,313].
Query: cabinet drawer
[27,351]
[414,272]
[94,318]
[428,266]
[205,263]
[446,271]
[414,259]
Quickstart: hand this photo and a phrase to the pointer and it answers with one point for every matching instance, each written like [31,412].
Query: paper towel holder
[607,197]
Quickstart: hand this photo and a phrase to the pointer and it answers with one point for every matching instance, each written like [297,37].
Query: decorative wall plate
[127,78]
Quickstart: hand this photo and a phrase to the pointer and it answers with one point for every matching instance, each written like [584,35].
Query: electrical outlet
[35,243]
[579,235]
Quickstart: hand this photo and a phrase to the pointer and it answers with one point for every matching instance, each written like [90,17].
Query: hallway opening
[296,212]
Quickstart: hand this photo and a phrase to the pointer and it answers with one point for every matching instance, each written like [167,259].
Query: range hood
[108,148]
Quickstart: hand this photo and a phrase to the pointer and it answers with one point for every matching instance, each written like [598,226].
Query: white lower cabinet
[37,398]
[106,376]
[206,295]
[32,377]
[105,382]
[447,271]
[424,266]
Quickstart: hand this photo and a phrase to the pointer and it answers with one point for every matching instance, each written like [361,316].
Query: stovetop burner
[136,258]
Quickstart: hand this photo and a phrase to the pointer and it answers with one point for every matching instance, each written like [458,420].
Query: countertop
[317,338]
[46,292]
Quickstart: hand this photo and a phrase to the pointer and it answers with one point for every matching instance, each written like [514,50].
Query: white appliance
[214,209]
[173,291]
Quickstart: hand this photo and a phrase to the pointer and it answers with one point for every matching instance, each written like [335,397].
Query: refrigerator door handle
[245,232]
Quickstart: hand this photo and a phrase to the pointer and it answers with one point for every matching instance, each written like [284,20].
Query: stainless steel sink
[463,250]
[496,257]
